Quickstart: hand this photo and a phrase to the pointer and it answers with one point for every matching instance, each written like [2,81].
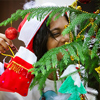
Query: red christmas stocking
[16,77]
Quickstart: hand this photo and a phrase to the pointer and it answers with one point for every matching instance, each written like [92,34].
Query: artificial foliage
[78,51]
[69,87]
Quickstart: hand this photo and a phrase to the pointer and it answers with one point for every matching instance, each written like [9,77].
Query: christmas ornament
[73,83]
[98,70]
[16,77]
[79,8]
[74,4]
[97,11]
[69,87]
[11,33]
[1,68]
[90,23]
[75,76]
[84,1]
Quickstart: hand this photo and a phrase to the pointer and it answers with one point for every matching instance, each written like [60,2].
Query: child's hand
[4,42]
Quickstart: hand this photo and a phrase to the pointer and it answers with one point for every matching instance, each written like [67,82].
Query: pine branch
[65,57]
[79,52]
[95,49]
[40,12]
[79,19]
[52,58]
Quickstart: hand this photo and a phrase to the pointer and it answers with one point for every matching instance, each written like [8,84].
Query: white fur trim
[1,68]
[29,29]
[28,5]
[26,55]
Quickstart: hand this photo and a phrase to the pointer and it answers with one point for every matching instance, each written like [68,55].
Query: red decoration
[11,33]
[93,37]
[84,1]
[16,77]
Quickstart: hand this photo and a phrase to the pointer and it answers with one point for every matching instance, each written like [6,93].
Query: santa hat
[28,29]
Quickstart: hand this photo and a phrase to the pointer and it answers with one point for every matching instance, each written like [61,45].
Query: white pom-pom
[30,4]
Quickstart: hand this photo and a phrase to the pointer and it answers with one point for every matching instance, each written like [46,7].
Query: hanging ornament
[69,87]
[74,4]
[73,83]
[17,72]
[84,1]
[98,70]
[79,8]
[11,33]
[97,11]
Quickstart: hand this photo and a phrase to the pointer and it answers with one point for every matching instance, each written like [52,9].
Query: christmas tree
[83,49]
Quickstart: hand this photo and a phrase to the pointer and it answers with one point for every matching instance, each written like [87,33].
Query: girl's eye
[56,34]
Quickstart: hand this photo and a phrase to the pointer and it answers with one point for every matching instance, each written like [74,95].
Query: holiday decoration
[11,33]
[84,1]
[79,8]
[71,69]
[97,11]
[69,87]
[73,83]
[1,68]
[98,70]
[16,77]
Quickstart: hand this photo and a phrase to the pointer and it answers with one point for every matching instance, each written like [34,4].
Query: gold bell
[98,70]
[97,12]
[79,8]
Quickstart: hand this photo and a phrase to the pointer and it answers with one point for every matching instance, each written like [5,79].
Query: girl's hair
[41,38]
[40,41]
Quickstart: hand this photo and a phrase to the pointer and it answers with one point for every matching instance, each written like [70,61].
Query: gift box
[16,77]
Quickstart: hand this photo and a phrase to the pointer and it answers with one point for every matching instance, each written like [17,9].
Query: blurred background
[7,7]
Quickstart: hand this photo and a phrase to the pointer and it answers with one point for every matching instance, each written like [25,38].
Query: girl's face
[56,28]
